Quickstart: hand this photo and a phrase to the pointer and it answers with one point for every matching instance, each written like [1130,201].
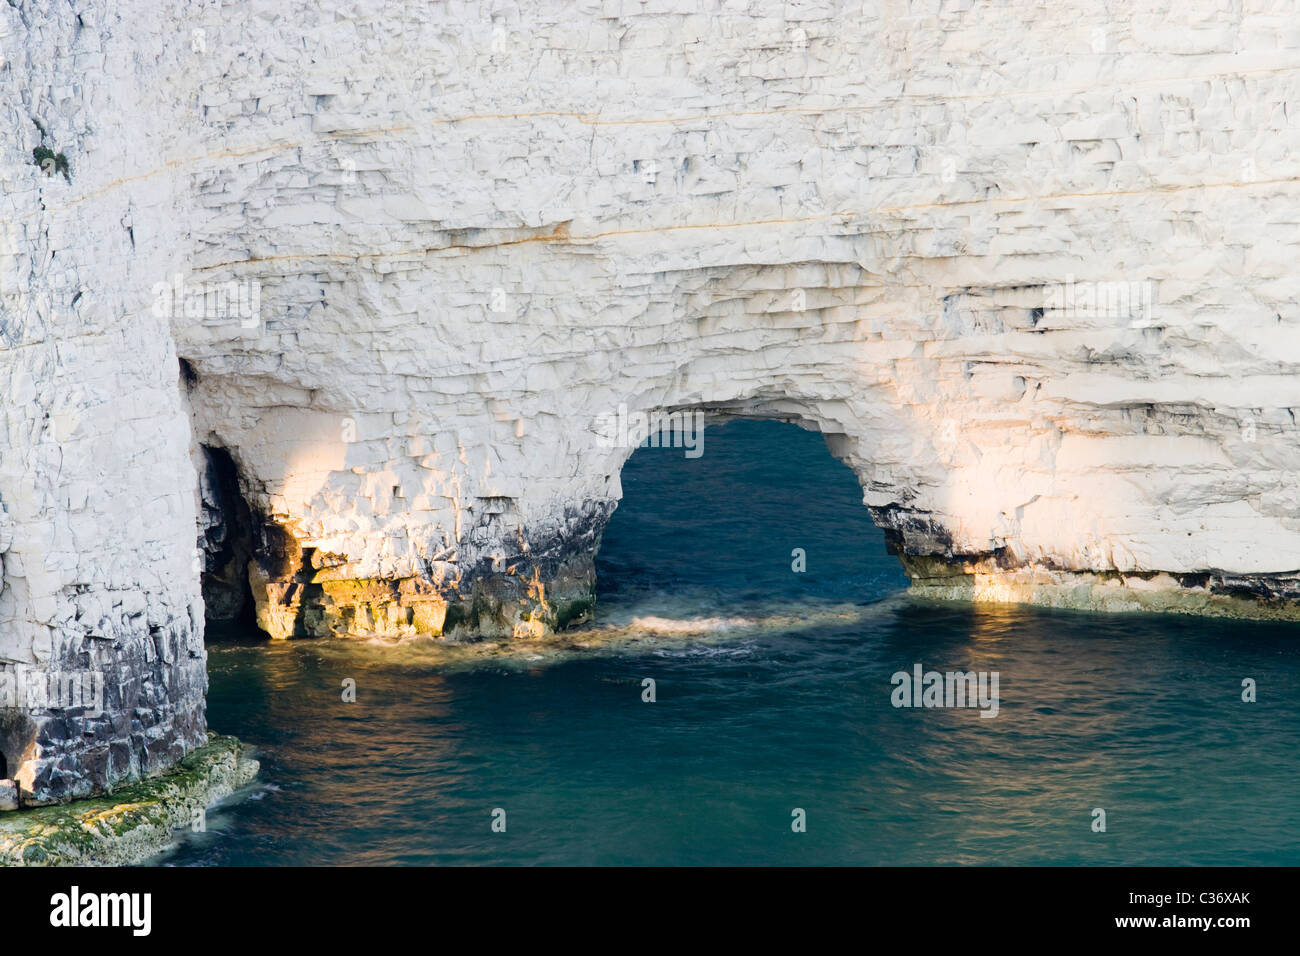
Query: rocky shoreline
[1270,597]
[132,824]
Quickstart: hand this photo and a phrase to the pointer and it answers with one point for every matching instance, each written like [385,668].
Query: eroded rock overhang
[1042,304]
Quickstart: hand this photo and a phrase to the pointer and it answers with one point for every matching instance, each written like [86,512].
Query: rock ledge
[134,823]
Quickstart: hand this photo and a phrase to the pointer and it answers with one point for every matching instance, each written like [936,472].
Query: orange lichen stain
[534,625]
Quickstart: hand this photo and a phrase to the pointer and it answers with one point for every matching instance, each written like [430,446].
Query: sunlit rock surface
[1029,268]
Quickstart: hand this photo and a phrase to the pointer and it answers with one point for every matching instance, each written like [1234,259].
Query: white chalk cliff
[1029,267]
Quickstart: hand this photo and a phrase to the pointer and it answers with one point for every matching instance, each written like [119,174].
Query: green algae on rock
[135,822]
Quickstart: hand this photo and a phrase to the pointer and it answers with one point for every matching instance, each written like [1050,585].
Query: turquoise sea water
[773,694]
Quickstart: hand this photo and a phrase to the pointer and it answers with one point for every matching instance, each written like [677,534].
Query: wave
[692,623]
[705,625]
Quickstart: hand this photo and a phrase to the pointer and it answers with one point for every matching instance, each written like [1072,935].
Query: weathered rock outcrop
[1029,268]
[134,823]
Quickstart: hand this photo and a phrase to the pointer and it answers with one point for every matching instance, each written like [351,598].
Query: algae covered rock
[134,823]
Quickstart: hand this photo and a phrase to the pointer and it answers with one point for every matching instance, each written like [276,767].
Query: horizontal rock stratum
[349,287]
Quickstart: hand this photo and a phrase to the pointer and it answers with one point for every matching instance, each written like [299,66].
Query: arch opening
[766,513]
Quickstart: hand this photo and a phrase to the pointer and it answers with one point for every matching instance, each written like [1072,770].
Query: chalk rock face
[102,665]
[396,276]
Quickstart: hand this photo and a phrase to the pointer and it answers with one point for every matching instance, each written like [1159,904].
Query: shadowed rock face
[400,263]
[226,540]
[104,713]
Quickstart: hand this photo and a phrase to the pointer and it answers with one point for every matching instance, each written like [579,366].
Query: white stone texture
[1029,267]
